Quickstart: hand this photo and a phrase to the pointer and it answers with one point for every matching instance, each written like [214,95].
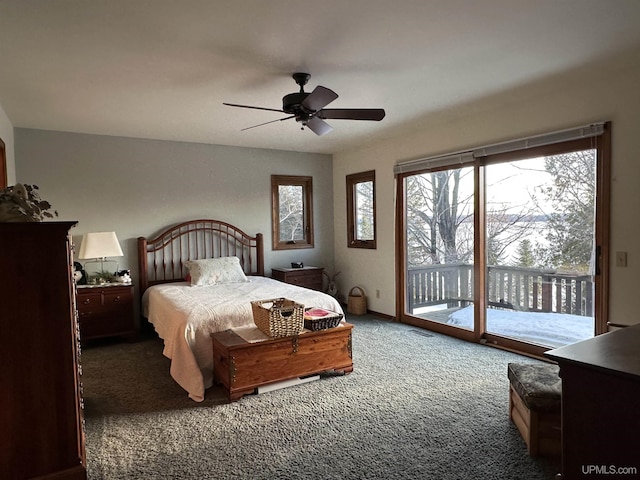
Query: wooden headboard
[161,259]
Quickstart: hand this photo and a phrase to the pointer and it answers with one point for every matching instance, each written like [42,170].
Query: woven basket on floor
[357,303]
[278,317]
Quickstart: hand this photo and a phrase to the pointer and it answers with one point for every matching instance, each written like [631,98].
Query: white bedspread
[185,316]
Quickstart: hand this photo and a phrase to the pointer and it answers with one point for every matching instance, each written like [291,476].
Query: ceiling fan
[308,108]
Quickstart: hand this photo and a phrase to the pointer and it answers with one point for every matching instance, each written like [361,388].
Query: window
[361,210]
[498,237]
[291,212]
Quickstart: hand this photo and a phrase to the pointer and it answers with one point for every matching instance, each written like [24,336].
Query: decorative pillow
[215,271]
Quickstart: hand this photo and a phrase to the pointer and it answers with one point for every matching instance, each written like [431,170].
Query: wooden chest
[241,366]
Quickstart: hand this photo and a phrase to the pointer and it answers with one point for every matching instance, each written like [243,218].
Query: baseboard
[382,315]
[373,312]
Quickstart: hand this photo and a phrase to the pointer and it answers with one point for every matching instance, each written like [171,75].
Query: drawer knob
[87,301]
[117,299]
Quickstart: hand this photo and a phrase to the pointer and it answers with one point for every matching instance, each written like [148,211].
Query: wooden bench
[534,406]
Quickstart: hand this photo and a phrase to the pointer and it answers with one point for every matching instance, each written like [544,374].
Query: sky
[515,183]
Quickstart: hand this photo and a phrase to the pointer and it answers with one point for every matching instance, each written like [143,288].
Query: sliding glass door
[507,247]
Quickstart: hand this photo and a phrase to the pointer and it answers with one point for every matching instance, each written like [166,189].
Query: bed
[199,277]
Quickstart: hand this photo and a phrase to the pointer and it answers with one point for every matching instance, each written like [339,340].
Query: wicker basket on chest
[278,317]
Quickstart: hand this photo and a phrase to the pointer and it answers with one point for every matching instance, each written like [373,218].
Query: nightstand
[309,277]
[106,311]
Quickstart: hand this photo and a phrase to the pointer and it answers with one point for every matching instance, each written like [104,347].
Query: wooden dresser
[41,404]
[106,311]
[309,277]
[600,397]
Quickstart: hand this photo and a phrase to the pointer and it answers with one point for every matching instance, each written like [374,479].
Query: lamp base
[100,271]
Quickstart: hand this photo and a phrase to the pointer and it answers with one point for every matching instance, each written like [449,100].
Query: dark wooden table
[601,405]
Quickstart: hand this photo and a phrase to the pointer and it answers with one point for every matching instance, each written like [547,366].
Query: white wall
[6,134]
[602,93]
[136,187]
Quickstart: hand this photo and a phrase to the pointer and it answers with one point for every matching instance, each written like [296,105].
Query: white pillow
[215,271]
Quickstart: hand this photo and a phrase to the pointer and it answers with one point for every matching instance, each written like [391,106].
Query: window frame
[4,181]
[352,181]
[306,183]
[601,142]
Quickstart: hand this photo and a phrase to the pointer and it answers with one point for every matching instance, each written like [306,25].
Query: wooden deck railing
[526,289]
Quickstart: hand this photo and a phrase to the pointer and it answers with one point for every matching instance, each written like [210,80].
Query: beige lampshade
[100,245]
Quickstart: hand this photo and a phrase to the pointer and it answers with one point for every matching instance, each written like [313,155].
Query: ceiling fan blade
[267,123]
[319,98]
[255,108]
[375,114]
[318,126]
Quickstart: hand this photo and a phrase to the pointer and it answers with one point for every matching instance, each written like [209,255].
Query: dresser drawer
[308,277]
[90,302]
[117,301]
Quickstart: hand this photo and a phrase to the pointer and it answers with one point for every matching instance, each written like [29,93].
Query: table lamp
[97,246]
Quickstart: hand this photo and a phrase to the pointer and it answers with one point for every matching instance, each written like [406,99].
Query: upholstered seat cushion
[538,385]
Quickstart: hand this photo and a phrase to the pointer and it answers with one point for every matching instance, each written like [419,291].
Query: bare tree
[364,210]
[440,220]
[291,212]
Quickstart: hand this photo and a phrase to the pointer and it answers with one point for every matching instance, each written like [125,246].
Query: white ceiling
[161,69]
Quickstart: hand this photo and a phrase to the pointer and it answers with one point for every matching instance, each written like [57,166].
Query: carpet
[415,406]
